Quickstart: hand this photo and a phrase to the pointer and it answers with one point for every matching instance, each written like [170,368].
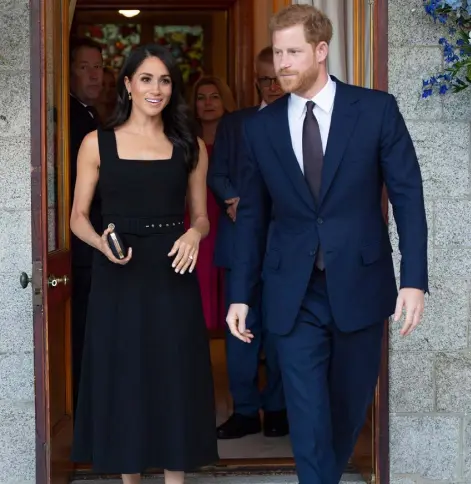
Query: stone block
[427,446]
[409,24]
[411,387]
[451,263]
[15,241]
[14,34]
[419,63]
[457,106]
[467,450]
[17,441]
[17,377]
[402,480]
[16,316]
[443,152]
[445,321]
[453,223]
[453,381]
[15,172]
[15,103]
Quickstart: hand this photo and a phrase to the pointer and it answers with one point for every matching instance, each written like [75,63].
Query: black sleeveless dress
[146,396]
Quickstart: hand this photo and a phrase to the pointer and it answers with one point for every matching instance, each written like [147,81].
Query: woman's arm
[186,247]
[197,189]
[88,164]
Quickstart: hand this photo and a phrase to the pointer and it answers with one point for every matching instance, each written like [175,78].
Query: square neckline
[138,160]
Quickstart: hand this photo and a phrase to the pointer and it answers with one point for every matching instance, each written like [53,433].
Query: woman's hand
[186,250]
[104,247]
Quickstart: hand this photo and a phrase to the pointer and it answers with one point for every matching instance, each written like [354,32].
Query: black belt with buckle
[144,226]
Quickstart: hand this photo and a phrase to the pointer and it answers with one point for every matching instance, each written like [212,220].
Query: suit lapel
[344,118]
[279,133]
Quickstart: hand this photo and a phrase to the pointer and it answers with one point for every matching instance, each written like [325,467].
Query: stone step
[233,479]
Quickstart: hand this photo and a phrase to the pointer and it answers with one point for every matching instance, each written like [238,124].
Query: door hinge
[37,283]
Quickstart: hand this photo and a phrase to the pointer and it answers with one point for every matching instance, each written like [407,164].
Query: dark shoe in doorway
[238,426]
[275,424]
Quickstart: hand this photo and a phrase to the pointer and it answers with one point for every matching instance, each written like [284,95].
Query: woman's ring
[190,257]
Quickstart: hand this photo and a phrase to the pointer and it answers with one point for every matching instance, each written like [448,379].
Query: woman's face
[108,93]
[209,105]
[150,87]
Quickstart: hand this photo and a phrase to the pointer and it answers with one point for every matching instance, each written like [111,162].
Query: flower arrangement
[456,76]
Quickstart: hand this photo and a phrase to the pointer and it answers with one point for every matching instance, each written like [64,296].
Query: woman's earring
[130,97]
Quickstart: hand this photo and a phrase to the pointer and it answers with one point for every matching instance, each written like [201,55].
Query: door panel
[56,273]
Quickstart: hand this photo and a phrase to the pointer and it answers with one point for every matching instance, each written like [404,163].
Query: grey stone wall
[430,371]
[17,423]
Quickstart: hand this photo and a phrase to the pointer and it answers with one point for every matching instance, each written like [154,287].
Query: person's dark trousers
[329,379]
[81,281]
[243,365]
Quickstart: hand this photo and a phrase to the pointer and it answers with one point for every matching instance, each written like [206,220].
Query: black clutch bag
[116,244]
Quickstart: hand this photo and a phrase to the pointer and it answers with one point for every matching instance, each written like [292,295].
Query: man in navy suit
[243,360]
[317,159]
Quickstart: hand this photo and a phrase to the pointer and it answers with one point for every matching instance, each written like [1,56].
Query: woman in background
[107,101]
[212,98]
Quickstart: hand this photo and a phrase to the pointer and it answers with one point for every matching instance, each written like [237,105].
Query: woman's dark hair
[179,126]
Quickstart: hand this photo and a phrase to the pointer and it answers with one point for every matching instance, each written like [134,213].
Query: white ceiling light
[129,13]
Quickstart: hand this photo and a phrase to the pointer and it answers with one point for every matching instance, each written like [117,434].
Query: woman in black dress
[146,393]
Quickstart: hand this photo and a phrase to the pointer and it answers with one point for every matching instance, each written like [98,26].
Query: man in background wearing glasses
[242,359]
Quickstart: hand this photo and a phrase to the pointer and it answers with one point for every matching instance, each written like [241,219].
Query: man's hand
[232,207]
[412,300]
[236,317]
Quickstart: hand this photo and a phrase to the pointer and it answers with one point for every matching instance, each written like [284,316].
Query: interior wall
[219,45]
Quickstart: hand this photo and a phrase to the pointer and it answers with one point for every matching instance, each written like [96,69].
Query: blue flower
[443,89]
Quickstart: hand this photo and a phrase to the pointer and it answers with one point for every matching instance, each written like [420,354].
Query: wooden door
[51,254]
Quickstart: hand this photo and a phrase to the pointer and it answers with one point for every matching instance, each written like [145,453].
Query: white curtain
[340,12]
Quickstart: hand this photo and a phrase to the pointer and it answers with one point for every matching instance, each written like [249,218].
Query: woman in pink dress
[212,98]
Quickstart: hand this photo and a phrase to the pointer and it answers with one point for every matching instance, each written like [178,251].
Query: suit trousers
[243,366]
[329,379]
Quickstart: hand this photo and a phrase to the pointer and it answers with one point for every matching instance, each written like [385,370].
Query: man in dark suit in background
[312,174]
[86,80]
[243,360]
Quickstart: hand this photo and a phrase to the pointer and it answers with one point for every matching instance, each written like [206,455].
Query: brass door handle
[53,281]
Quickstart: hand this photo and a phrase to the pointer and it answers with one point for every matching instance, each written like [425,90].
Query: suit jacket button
[312,253]
[320,221]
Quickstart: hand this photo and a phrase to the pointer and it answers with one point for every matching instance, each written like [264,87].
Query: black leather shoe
[275,424]
[238,426]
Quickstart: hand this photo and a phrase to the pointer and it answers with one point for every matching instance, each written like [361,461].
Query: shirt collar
[324,99]
[262,105]
[75,97]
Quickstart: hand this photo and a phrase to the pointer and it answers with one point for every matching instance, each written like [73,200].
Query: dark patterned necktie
[313,155]
[313,159]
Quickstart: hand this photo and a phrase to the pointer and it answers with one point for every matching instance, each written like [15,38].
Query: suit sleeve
[218,173]
[403,180]
[253,218]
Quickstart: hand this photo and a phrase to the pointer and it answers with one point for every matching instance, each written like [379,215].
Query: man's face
[267,82]
[297,62]
[86,74]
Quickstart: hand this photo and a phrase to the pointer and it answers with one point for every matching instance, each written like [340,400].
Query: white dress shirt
[324,104]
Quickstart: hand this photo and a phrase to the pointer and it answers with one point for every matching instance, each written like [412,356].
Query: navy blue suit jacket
[368,145]
[223,179]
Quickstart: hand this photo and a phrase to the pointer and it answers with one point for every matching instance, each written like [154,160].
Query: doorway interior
[228,33]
